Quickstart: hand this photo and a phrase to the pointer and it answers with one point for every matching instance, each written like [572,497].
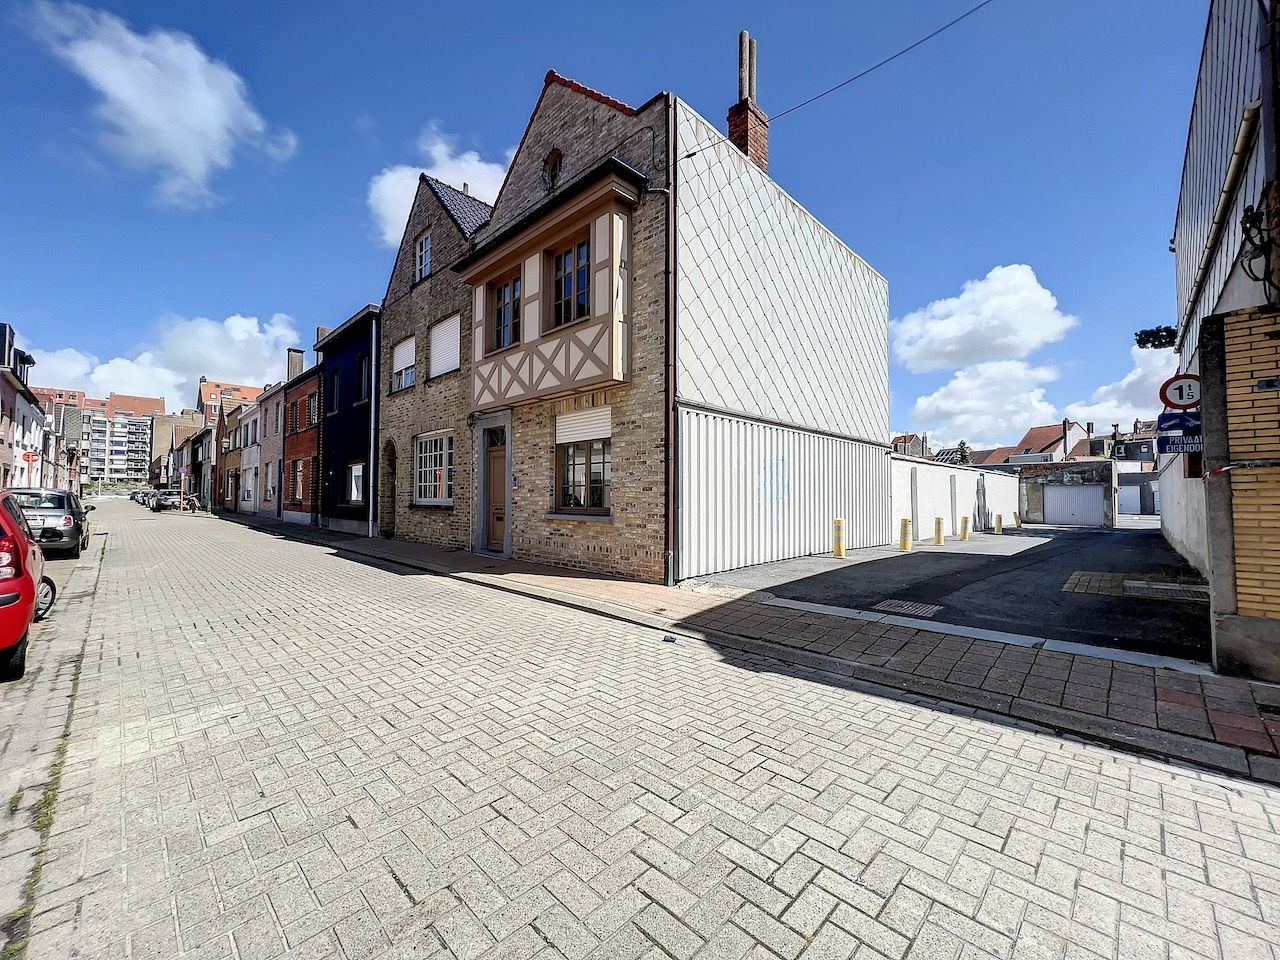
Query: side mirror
[89,507]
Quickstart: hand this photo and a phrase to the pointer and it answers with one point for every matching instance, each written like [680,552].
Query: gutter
[1230,184]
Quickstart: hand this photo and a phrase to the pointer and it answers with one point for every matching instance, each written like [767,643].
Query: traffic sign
[1180,443]
[1181,391]
[30,456]
[1184,421]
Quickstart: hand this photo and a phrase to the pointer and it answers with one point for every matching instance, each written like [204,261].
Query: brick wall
[631,542]
[302,444]
[1252,348]
[441,404]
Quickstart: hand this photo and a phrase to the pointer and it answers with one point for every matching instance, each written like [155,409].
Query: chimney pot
[748,124]
[466,188]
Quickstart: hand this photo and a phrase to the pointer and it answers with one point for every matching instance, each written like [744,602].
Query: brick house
[271,433]
[668,367]
[227,485]
[345,357]
[424,373]
[301,448]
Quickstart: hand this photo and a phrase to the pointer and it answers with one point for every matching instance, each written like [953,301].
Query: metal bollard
[1017,520]
[938,538]
[837,538]
[904,537]
[999,523]
[964,528]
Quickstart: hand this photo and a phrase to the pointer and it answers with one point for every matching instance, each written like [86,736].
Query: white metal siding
[776,317]
[593,424]
[1130,500]
[753,493]
[1082,504]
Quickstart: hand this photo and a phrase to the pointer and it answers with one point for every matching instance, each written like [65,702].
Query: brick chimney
[293,363]
[748,125]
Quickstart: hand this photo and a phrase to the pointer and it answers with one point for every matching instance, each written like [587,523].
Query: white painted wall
[950,492]
[751,492]
[776,317]
[1182,513]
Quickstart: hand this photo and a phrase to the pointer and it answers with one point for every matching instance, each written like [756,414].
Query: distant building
[911,445]
[302,448]
[212,394]
[22,419]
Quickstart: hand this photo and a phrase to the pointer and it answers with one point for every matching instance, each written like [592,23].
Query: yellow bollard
[964,528]
[837,538]
[904,537]
[1017,520]
[999,523]
[938,538]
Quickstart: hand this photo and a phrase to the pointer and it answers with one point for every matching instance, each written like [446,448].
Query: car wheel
[16,666]
[46,593]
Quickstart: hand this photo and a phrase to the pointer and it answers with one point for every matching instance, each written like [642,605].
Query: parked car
[58,519]
[26,594]
[166,500]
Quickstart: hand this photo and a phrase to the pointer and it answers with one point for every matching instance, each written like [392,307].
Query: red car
[26,594]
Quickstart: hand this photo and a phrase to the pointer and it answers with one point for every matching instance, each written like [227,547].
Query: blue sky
[191,187]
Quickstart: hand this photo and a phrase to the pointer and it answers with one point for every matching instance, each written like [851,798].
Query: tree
[1156,337]
[963,454]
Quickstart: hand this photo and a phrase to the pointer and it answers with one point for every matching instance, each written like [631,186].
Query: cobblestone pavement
[276,751]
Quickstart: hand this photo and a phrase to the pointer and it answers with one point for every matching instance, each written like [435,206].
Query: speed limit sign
[1181,391]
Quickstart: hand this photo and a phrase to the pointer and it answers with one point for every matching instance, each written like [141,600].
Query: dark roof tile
[469,213]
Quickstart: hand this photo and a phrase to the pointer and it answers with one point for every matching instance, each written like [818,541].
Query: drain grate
[908,607]
[1166,591]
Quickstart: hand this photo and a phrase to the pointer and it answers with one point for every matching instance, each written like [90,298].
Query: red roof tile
[553,77]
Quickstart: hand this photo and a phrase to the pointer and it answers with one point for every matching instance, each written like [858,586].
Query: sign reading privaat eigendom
[1180,443]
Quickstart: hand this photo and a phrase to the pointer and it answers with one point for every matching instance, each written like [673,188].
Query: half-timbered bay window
[584,461]
[433,469]
[571,283]
[506,313]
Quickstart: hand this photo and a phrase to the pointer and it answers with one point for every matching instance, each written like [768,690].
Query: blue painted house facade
[347,357]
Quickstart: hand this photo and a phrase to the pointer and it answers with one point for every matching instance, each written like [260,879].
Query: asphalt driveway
[1011,583]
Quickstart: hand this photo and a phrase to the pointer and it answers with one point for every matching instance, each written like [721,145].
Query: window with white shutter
[593,424]
[403,361]
[446,346]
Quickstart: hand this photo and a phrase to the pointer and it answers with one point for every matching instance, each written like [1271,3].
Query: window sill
[490,354]
[552,331]
[421,280]
[392,393]
[589,517]
[431,504]
[444,374]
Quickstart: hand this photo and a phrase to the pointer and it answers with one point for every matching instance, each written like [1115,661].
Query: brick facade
[442,404]
[301,444]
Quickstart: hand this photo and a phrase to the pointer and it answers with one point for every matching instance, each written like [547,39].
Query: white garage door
[1080,504]
[1130,499]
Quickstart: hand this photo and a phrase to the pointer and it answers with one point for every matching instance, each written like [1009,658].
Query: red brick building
[300,483]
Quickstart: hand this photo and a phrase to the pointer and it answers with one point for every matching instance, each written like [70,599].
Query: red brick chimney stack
[748,125]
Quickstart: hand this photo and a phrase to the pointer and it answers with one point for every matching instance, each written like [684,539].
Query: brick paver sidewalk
[1221,722]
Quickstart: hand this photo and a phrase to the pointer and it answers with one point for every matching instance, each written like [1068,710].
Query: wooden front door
[496,488]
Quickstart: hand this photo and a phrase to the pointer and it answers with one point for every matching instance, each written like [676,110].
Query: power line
[874,67]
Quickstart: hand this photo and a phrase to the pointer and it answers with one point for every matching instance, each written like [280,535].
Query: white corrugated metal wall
[753,492]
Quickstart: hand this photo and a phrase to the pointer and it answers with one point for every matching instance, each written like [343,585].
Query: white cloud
[166,105]
[239,349]
[986,402]
[1004,316]
[1135,395]
[391,191]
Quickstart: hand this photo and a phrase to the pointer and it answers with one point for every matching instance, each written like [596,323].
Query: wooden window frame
[511,282]
[580,296]
[363,498]
[421,263]
[605,486]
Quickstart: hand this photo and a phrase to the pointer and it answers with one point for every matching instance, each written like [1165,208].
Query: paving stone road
[276,751]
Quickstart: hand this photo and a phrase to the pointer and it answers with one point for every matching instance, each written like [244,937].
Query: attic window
[551,169]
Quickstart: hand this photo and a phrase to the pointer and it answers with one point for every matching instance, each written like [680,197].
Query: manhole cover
[908,607]
[1166,591]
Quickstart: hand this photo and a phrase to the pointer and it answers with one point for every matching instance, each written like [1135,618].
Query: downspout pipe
[371,494]
[670,445]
